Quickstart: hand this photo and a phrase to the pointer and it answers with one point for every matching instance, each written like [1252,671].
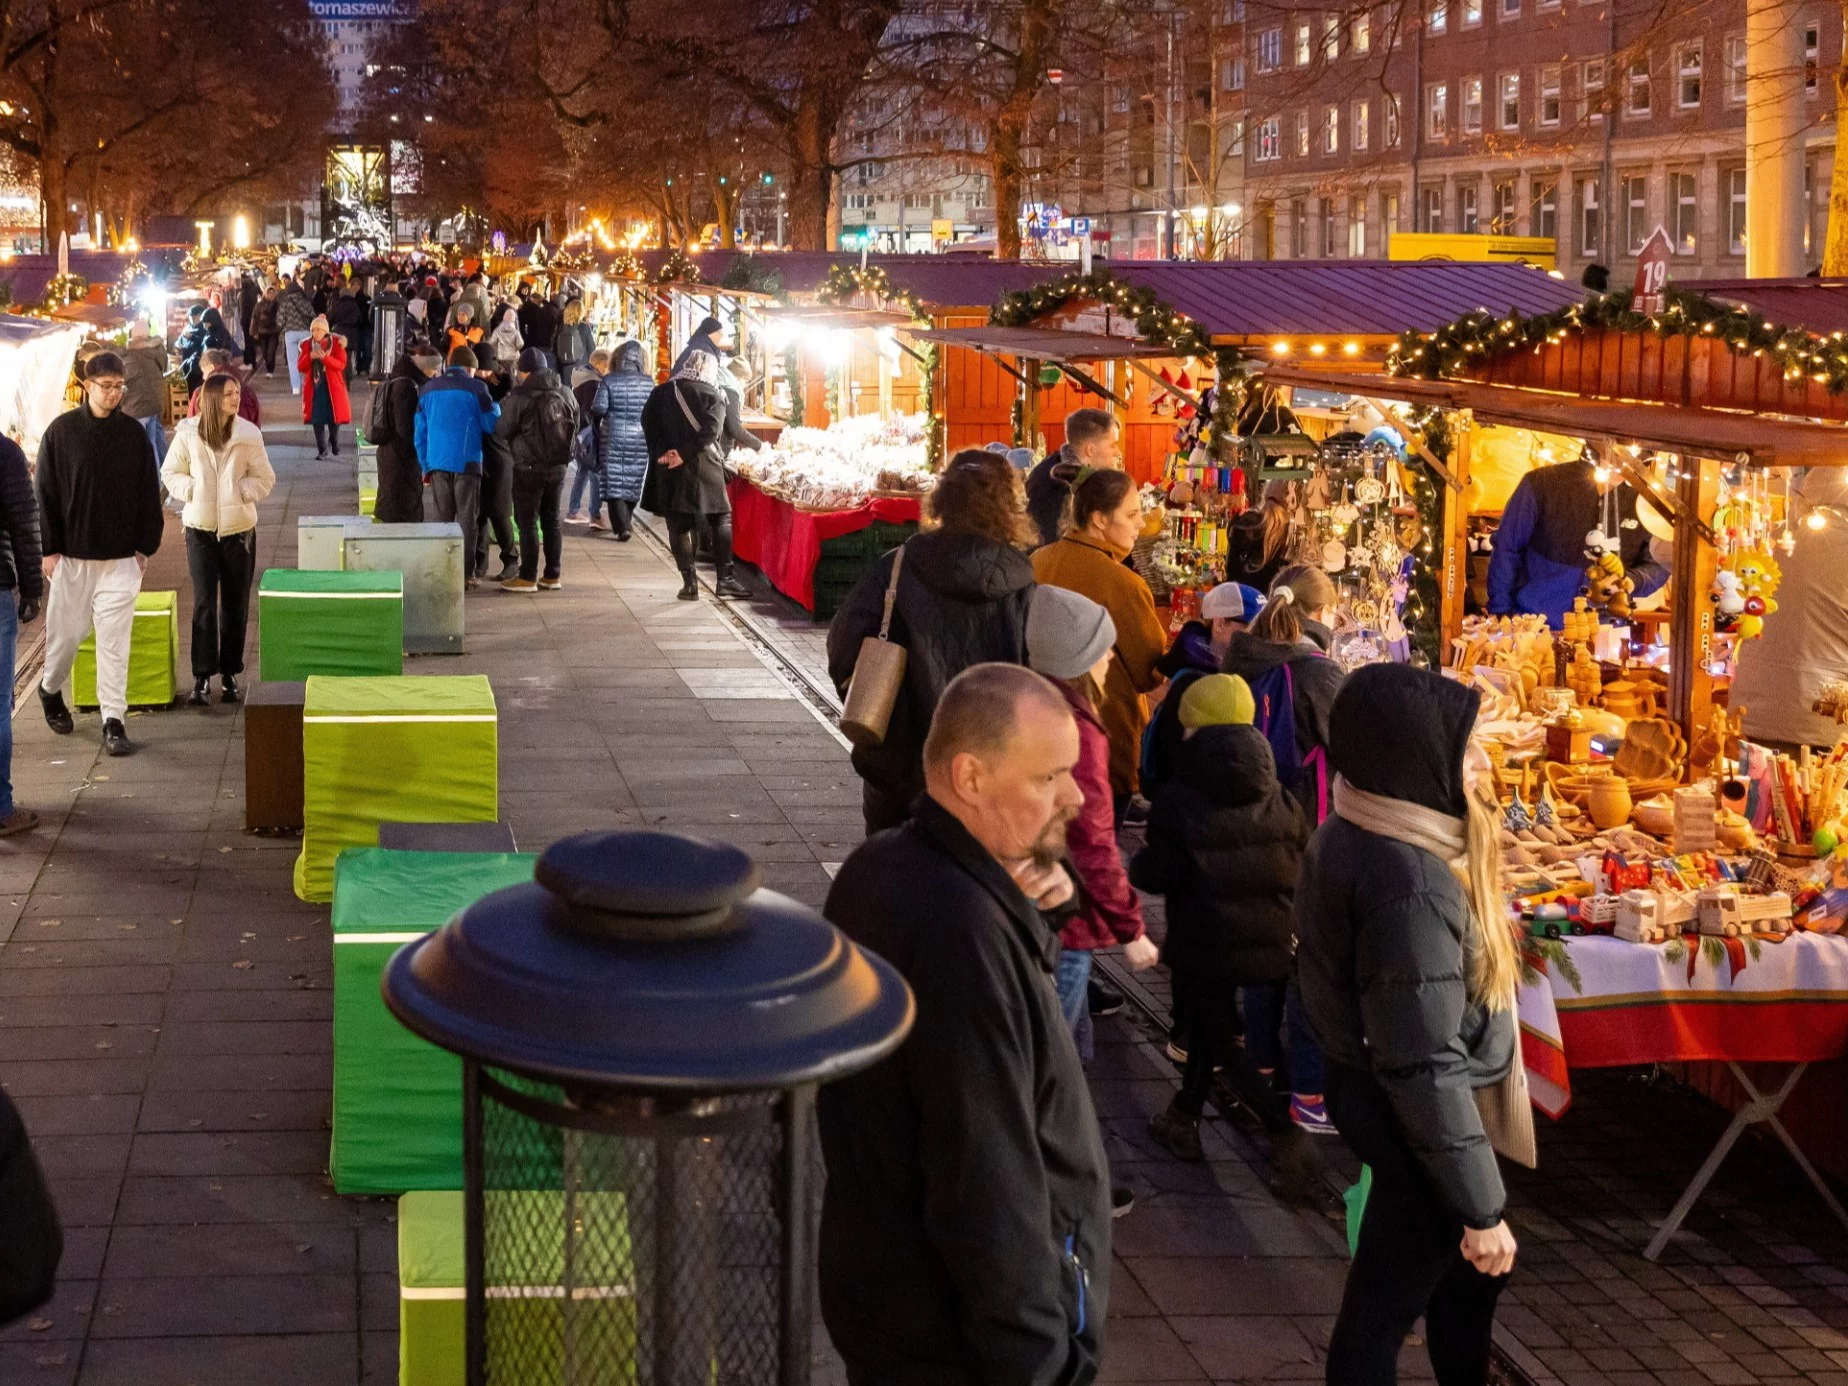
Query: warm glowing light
[205,236]
[1816,519]
[240,232]
[1318,350]
[1280,348]
[1602,475]
[1351,349]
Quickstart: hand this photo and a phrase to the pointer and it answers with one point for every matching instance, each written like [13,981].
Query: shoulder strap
[681,400]
[891,596]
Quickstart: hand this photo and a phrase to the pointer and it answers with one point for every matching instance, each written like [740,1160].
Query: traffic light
[769,178]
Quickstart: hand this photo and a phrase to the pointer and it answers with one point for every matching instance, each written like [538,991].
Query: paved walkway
[165,1026]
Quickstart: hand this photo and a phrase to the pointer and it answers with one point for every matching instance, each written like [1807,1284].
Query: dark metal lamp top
[648,961]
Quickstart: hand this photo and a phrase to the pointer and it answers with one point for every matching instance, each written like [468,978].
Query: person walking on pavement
[684,425]
[264,331]
[621,396]
[539,424]
[963,595]
[494,516]
[294,317]
[144,363]
[223,363]
[392,428]
[249,294]
[343,318]
[965,1230]
[454,413]
[574,342]
[322,366]
[1408,973]
[22,595]
[100,511]
[220,471]
[587,454]
[206,334]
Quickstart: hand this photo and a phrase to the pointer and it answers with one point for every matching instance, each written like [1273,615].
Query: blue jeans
[578,482]
[151,426]
[1073,982]
[9,645]
[1267,1009]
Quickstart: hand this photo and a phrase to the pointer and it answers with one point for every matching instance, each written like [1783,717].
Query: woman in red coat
[324,392]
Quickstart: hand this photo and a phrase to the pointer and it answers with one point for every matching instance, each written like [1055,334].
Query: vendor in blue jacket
[1540,557]
[454,413]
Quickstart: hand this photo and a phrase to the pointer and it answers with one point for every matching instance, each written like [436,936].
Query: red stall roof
[1821,305]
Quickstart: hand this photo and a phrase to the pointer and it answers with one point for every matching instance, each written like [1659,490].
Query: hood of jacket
[1401,732]
[1229,765]
[408,369]
[540,381]
[1248,655]
[628,360]
[968,567]
[1193,649]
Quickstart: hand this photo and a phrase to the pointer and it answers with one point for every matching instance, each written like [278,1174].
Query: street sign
[942,231]
[1081,226]
[1652,272]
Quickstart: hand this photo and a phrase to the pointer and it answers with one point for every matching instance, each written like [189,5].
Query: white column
[1774,120]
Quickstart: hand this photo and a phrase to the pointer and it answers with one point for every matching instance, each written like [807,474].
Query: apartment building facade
[1591,123]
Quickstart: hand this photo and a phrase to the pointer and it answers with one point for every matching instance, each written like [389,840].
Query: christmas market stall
[1679,887]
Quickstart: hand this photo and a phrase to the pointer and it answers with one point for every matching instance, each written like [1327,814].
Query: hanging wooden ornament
[1334,556]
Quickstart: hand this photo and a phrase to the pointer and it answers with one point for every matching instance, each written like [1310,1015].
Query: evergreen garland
[792,372]
[678,268]
[1424,601]
[627,266]
[847,281]
[1479,337]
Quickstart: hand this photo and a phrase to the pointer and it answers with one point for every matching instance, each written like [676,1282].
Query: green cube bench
[153,655]
[312,621]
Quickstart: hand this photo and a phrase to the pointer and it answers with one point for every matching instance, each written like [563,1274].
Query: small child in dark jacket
[1225,841]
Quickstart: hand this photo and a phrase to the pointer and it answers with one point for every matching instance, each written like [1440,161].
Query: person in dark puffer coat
[963,596]
[618,410]
[1224,843]
[1410,988]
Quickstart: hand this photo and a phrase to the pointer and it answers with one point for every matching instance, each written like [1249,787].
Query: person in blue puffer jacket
[1539,562]
[454,413]
[618,408]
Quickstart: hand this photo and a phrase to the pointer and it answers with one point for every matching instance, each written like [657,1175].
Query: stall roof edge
[1821,305]
[1042,343]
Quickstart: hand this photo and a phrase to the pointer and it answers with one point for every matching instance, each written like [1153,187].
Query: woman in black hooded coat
[684,425]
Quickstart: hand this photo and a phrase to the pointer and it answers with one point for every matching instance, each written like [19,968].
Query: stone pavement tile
[78,1116]
[234,1111]
[1257,1347]
[275,1360]
[195,1153]
[30,947]
[231,1250]
[261,976]
[76,1077]
[378,1301]
[19,1043]
[253,1198]
[66,1316]
[1147,1350]
[1240,1286]
[1184,1226]
[248,1037]
[292,1002]
[83,1255]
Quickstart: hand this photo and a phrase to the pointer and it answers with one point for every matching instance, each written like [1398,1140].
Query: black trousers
[535,508]
[222,567]
[1409,1260]
[1214,1027]
[326,435]
[680,538]
[622,517]
[495,521]
[266,347]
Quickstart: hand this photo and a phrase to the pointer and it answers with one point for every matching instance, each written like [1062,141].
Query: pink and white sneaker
[1311,1113]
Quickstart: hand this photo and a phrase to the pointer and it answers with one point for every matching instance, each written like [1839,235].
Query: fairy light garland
[678,268]
[847,282]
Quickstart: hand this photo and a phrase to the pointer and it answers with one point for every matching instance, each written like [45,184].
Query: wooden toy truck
[1652,916]
[1725,912]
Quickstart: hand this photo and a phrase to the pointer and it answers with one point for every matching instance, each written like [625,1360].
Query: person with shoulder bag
[684,424]
[219,470]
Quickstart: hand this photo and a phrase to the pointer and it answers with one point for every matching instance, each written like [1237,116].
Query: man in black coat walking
[538,423]
[965,1232]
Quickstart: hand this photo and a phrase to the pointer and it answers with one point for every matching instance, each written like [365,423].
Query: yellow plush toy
[1608,587]
[1759,577]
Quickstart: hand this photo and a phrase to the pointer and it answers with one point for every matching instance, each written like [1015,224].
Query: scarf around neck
[1443,836]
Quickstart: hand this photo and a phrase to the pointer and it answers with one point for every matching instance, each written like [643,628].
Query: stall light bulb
[1816,519]
[1280,348]
[1602,476]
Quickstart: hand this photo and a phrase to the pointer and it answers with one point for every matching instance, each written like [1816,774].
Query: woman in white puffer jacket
[218,468]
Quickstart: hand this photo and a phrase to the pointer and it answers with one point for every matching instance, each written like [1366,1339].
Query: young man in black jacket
[99,503]
[965,1233]
[538,423]
[21,574]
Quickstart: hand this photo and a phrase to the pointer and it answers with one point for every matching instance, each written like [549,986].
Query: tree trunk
[725,207]
[54,188]
[811,176]
[1835,248]
[1004,146]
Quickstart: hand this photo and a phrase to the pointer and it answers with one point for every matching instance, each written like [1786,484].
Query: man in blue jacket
[1539,562]
[454,413]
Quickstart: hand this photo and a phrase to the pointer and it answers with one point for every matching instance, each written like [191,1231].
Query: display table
[329,622]
[787,544]
[1605,1003]
[397,1097]
[391,750]
[153,655]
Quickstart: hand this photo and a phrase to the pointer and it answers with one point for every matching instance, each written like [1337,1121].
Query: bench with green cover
[153,655]
[320,621]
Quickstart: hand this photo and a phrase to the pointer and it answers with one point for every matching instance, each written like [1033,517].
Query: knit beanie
[1066,633]
[1217,700]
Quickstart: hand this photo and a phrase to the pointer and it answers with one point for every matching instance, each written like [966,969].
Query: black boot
[1178,1133]
[728,584]
[115,739]
[689,586]
[229,693]
[201,694]
[57,715]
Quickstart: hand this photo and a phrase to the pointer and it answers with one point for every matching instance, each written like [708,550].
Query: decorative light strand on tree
[678,268]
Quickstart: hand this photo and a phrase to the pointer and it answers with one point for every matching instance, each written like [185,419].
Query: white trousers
[86,593]
[292,348]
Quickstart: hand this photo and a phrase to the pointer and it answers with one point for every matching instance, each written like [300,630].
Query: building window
[1300,48]
[1809,181]
[1636,89]
[1591,89]
[1735,69]
[1437,15]
[1508,98]
[1635,193]
[1467,221]
[1119,97]
[1331,37]
[1437,111]
[1511,9]
[1363,118]
[1357,228]
[1238,139]
[1503,224]
[1540,5]
[1687,76]
[1543,211]
[1232,74]
[1591,219]
[1549,96]
[1472,13]
[1360,35]
[1389,115]
[1299,229]
[1432,212]
[1389,217]
[1330,246]
[1331,130]
[1268,140]
[1270,51]
[1472,105]
[1302,134]
[1735,210]
[1812,53]
[1684,199]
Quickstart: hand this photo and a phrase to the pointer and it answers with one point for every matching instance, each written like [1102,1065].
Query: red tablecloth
[785,543]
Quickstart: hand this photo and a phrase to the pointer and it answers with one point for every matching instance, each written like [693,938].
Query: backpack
[1161,739]
[1274,693]
[378,415]
[554,428]
[585,452]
